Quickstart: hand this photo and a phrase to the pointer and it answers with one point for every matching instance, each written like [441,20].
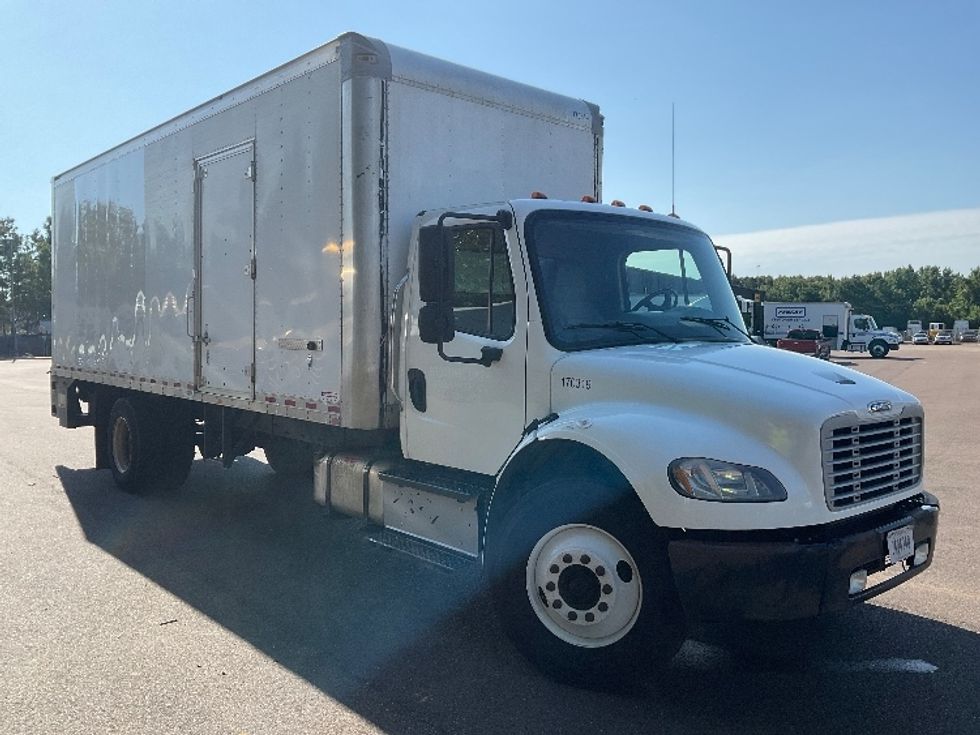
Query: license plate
[900,543]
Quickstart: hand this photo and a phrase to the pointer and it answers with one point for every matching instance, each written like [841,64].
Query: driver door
[467,415]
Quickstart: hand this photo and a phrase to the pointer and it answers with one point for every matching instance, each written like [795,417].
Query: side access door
[462,380]
[225,317]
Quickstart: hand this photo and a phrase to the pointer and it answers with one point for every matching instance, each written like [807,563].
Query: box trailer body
[334,262]
[836,320]
[245,252]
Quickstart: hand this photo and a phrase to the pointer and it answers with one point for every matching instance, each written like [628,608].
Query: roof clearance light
[645,208]
[616,203]
[588,199]
[538,195]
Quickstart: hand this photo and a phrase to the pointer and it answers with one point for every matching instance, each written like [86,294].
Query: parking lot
[239,606]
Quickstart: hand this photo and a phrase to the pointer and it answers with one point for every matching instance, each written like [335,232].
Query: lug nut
[550,586]
[573,615]
[607,589]
[585,558]
[556,604]
[603,607]
[554,569]
[600,571]
[567,558]
[589,617]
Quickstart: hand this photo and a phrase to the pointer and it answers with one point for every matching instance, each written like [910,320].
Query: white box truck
[560,391]
[836,320]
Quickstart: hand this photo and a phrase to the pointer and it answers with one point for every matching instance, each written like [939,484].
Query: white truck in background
[835,320]
[560,391]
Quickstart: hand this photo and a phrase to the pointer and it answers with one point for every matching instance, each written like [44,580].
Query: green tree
[11,266]
[25,277]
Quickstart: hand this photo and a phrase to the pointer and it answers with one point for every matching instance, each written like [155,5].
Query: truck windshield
[607,280]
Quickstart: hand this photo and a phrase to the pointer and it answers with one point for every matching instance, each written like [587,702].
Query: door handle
[490,355]
[187,315]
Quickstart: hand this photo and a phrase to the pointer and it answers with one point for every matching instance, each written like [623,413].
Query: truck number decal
[577,383]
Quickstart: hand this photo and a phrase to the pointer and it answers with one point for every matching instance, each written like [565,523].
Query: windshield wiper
[634,328]
[721,324]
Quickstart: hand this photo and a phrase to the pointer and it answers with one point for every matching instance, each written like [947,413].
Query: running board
[423,550]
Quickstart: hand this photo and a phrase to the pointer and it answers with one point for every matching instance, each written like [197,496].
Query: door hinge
[251,172]
[252,268]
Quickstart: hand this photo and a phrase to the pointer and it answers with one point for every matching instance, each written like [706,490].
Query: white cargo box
[245,252]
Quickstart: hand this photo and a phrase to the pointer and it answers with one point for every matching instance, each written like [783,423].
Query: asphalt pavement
[239,606]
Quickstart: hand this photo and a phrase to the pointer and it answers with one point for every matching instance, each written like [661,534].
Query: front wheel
[581,584]
[878,350]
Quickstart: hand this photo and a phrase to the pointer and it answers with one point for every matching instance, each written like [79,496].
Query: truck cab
[864,333]
[586,357]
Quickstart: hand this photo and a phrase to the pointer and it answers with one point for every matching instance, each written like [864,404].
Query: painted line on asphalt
[699,656]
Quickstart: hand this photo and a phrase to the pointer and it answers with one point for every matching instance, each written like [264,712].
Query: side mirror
[727,260]
[437,266]
[437,269]
[437,323]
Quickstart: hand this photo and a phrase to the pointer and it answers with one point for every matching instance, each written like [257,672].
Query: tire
[179,444]
[150,447]
[288,457]
[878,350]
[135,454]
[581,583]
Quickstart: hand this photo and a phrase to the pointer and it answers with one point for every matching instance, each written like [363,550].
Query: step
[458,484]
[423,550]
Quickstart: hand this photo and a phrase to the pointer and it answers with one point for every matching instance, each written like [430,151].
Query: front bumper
[794,573]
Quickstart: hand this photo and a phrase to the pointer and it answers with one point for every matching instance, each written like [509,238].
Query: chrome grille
[863,461]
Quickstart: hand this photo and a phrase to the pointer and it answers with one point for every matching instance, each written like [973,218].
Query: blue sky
[788,114]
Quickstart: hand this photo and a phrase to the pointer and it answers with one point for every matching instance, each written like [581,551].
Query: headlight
[710,479]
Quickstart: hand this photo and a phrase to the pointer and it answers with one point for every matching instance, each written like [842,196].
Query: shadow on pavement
[410,648]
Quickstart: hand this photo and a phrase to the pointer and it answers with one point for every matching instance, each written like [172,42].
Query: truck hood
[643,406]
[713,376]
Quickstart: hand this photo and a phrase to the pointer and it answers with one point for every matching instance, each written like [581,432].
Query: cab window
[483,293]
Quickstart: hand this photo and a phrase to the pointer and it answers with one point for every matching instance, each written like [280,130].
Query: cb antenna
[673,211]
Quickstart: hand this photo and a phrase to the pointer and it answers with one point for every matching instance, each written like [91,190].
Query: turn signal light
[645,208]
[538,195]
[588,199]
[616,203]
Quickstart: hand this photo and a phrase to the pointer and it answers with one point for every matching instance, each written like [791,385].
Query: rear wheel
[581,584]
[150,448]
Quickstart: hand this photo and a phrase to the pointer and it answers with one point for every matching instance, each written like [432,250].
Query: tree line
[25,278]
[929,294]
